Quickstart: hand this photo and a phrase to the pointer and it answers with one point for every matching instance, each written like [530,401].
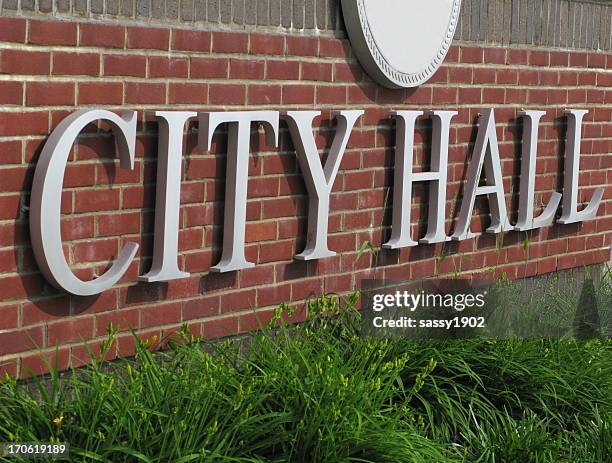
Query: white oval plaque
[401,43]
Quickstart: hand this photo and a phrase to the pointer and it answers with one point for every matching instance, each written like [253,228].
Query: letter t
[239,133]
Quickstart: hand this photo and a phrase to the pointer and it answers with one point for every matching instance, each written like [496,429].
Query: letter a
[486,142]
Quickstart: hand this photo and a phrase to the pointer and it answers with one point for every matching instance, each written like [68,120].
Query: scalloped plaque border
[388,75]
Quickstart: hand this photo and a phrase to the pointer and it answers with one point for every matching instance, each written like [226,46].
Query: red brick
[336,48]
[49,93]
[11,93]
[539,58]
[495,55]
[277,251]
[12,30]
[484,76]
[302,46]
[331,95]
[25,62]
[8,260]
[145,92]
[321,72]
[119,224]
[587,78]
[70,330]
[440,76]
[95,251]
[298,94]
[238,300]
[227,94]
[102,35]
[568,78]
[246,69]
[506,76]
[597,60]
[109,93]
[493,95]
[283,70]
[9,317]
[75,228]
[220,328]
[262,231]
[208,68]
[96,200]
[421,95]
[201,308]
[148,38]
[264,94]
[345,72]
[267,44]
[186,40]
[22,340]
[165,314]
[453,54]
[306,289]
[15,178]
[38,363]
[471,55]
[125,65]
[86,64]
[274,295]
[576,96]
[253,321]
[186,93]
[230,42]
[261,275]
[21,286]
[53,32]
[10,153]
[443,95]
[30,123]
[516,57]
[471,95]
[123,319]
[160,66]
[579,59]
[559,58]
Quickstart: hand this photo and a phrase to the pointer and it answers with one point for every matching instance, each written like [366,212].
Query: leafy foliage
[319,392]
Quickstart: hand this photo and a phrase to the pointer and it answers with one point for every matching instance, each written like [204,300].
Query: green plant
[319,392]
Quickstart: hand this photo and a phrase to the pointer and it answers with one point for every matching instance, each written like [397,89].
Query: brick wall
[49,68]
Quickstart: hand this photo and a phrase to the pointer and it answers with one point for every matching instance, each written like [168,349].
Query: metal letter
[404,177]
[168,196]
[486,142]
[572,169]
[236,181]
[526,221]
[45,214]
[319,180]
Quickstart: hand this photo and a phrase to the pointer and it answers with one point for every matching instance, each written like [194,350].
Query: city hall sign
[380,32]
[46,196]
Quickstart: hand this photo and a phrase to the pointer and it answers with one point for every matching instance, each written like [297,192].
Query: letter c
[46,198]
